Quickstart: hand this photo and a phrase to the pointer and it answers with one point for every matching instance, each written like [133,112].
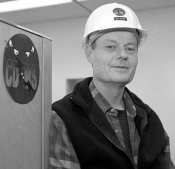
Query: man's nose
[122,53]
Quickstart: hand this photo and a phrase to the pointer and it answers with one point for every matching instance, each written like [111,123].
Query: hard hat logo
[118,11]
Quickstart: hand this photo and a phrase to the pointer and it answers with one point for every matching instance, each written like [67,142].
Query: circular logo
[21,68]
[119,11]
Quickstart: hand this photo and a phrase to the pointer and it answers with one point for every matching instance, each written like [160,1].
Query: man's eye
[131,50]
[110,47]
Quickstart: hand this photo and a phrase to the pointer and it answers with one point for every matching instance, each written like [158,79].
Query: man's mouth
[121,67]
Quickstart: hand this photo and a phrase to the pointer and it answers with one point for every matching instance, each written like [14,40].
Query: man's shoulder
[142,106]
[138,101]
[63,101]
[79,94]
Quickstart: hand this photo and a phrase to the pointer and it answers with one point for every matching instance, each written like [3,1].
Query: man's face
[114,57]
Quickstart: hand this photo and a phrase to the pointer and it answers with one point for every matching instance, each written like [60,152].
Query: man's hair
[93,44]
[93,37]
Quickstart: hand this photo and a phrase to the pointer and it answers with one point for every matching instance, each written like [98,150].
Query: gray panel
[21,125]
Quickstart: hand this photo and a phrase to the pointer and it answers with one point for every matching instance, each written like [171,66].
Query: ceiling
[76,8]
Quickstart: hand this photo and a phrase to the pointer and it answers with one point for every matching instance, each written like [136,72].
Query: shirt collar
[129,105]
[98,97]
[105,105]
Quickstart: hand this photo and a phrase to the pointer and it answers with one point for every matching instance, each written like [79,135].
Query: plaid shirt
[62,154]
[112,116]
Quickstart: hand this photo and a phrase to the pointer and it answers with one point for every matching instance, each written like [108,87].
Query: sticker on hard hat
[118,11]
[21,68]
[120,18]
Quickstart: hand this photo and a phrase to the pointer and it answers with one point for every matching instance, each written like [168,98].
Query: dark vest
[94,140]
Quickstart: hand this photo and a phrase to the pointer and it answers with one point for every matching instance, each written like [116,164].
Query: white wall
[68,59]
[155,78]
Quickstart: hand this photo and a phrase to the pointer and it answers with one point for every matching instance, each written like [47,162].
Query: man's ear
[89,53]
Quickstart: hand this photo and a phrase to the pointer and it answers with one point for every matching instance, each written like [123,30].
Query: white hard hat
[112,17]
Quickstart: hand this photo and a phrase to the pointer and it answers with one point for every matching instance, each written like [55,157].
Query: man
[101,124]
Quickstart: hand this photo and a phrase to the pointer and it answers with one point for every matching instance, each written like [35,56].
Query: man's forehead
[101,34]
[116,36]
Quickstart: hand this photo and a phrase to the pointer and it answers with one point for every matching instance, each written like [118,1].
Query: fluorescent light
[17,5]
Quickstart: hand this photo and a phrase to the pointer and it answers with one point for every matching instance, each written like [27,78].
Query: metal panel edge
[24,28]
[46,99]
